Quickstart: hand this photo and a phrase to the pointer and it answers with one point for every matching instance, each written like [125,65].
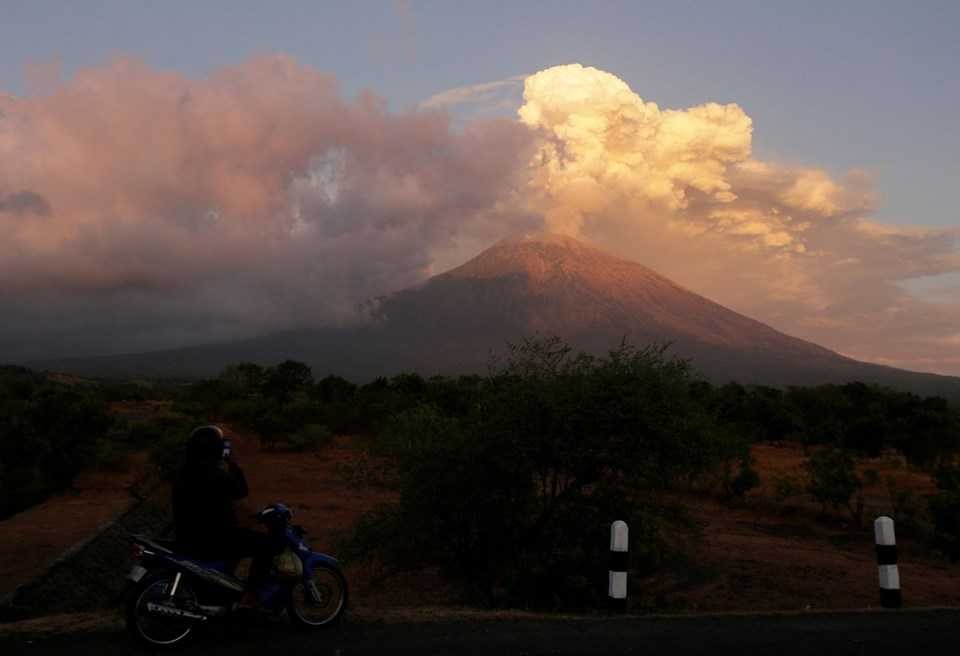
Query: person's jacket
[203,512]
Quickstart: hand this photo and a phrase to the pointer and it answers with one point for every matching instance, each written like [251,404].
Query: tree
[285,380]
[244,378]
[945,508]
[334,389]
[49,431]
[771,414]
[516,492]
[833,480]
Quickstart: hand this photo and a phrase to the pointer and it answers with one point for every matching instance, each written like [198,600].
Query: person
[204,518]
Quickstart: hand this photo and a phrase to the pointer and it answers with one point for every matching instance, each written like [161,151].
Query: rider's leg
[246,542]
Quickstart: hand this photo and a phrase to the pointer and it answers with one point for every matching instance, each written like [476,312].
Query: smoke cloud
[141,209]
[164,210]
[791,246]
[24,202]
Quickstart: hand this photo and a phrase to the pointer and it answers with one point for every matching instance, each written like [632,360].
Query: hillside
[550,284]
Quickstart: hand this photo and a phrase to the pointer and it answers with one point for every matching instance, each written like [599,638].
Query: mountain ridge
[522,285]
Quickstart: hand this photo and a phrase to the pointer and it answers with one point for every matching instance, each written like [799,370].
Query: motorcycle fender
[315,559]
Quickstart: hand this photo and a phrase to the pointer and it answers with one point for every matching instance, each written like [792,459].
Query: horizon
[154,198]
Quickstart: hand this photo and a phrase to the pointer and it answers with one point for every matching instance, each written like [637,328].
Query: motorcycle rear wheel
[159,632]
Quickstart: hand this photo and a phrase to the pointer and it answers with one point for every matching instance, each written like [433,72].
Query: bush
[109,456]
[786,487]
[166,434]
[311,437]
[271,424]
[833,481]
[945,508]
[517,493]
[284,381]
[746,479]
[243,379]
[50,432]
[905,505]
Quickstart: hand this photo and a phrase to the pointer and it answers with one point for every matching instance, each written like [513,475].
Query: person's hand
[230,454]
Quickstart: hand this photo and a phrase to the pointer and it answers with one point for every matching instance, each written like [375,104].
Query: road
[869,633]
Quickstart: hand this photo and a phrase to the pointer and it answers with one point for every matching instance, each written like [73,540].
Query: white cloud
[678,190]
[485,93]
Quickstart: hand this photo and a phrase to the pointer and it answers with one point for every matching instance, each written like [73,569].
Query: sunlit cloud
[143,209]
[680,191]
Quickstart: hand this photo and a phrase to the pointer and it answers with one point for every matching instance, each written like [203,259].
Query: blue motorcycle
[171,595]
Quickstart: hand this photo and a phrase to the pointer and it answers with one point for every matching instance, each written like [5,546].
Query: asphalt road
[902,632]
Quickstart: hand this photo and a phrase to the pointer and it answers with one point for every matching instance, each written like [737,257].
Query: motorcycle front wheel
[157,631]
[320,602]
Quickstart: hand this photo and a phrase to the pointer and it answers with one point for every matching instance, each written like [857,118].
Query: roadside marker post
[619,547]
[886,540]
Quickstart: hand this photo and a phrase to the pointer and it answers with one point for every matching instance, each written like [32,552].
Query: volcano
[536,284]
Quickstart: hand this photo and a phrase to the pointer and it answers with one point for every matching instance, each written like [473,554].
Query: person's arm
[235,481]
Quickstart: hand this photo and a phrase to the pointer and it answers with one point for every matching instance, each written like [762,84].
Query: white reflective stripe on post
[619,533]
[618,585]
[889,577]
[883,531]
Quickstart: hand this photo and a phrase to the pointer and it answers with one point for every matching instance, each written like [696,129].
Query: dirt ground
[325,501]
[755,555]
[765,555]
[31,540]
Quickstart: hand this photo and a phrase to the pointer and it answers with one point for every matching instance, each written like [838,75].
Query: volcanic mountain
[546,284]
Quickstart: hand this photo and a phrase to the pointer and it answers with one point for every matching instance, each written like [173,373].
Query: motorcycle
[171,595]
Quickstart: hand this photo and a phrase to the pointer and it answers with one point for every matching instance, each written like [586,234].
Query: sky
[146,151]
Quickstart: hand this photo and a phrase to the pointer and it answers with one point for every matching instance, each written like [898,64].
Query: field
[754,554]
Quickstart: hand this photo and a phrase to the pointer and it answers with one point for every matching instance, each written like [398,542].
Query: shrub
[284,381]
[833,481]
[904,503]
[311,437]
[109,456]
[786,486]
[871,477]
[167,453]
[333,389]
[945,508]
[746,479]
[271,424]
[518,492]
[50,432]
[244,378]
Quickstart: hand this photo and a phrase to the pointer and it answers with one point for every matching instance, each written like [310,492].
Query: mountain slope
[547,284]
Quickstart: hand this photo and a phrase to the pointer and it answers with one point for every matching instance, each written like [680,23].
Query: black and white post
[619,547]
[887,563]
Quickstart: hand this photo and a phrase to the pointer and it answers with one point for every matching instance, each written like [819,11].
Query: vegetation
[49,431]
[515,496]
[834,481]
[945,508]
[508,481]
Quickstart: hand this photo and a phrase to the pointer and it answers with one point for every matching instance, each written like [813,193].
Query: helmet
[205,445]
[276,514]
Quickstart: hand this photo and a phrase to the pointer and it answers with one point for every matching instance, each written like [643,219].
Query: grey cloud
[24,202]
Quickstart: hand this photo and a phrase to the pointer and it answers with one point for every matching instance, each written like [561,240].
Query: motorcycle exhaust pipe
[169,611]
